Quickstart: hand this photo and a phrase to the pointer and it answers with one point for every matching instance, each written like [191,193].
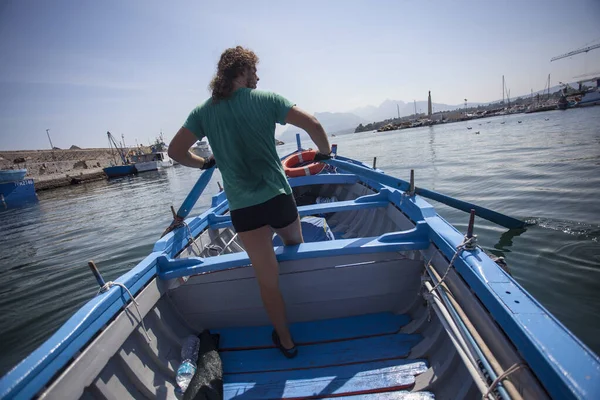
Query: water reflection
[506,241]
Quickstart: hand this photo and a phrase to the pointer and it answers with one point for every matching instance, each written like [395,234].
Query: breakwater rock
[55,168]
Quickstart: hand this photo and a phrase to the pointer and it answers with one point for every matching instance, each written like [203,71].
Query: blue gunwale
[564,365]
[32,374]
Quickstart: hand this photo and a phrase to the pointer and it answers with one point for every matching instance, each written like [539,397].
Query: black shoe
[289,353]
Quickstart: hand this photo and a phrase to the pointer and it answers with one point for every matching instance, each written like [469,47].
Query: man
[239,122]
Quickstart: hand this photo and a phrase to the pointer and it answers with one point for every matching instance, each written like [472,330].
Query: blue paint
[315,331]
[396,183]
[320,355]
[195,193]
[120,170]
[218,199]
[174,241]
[565,366]
[33,373]
[414,239]
[395,395]
[361,203]
[17,193]
[324,179]
[12,175]
[337,380]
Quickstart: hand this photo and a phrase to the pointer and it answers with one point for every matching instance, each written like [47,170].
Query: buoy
[292,168]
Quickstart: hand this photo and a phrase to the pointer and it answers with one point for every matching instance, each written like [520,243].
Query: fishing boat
[17,193]
[145,162]
[115,170]
[399,305]
[11,175]
[164,161]
[202,149]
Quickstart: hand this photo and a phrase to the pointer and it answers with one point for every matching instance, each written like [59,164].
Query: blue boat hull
[14,194]
[365,308]
[119,170]
[12,175]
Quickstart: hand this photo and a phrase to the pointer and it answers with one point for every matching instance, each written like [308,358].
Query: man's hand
[320,157]
[209,162]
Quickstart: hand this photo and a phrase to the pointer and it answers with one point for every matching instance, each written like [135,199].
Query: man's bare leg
[291,234]
[259,246]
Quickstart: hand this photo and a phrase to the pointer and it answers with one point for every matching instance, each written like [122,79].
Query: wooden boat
[12,175]
[400,305]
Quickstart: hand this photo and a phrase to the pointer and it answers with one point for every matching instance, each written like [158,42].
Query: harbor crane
[574,52]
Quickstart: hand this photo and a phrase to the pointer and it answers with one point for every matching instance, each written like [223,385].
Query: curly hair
[233,63]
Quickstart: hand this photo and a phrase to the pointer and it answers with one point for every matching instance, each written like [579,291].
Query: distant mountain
[388,109]
[332,123]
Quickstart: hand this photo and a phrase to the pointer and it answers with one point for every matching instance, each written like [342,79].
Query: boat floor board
[315,331]
[354,351]
[368,377]
[396,395]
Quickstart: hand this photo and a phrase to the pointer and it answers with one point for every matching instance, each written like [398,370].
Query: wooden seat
[357,355]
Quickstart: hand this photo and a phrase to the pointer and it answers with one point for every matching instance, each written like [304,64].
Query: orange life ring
[293,171]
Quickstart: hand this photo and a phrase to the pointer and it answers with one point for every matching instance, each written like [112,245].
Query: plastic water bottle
[189,355]
[321,200]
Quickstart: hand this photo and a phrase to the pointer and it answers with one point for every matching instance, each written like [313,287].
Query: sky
[82,67]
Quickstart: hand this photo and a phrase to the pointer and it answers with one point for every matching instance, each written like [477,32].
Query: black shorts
[278,212]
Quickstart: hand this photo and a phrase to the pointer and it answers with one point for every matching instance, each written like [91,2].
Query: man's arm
[179,149]
[311,125]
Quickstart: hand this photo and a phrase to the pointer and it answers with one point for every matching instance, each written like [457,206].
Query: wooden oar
[190,200]
[485,213]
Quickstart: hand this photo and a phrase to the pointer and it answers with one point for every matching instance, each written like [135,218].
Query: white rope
[467,242]
[228,243]
[192,239]
[110,284]
[502,376]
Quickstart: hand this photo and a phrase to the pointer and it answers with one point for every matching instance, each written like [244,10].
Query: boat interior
[365,324]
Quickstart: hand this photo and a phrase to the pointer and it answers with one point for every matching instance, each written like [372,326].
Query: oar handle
[195,193]
[397,183]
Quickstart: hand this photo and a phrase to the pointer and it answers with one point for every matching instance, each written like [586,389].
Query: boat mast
[503,89]
[110,146]
[120,151]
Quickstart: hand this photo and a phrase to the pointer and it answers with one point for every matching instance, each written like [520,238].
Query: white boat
[145,162]
[591,98]
[163,159]
[202,149]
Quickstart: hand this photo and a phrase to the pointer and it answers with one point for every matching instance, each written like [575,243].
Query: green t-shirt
[241,132]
